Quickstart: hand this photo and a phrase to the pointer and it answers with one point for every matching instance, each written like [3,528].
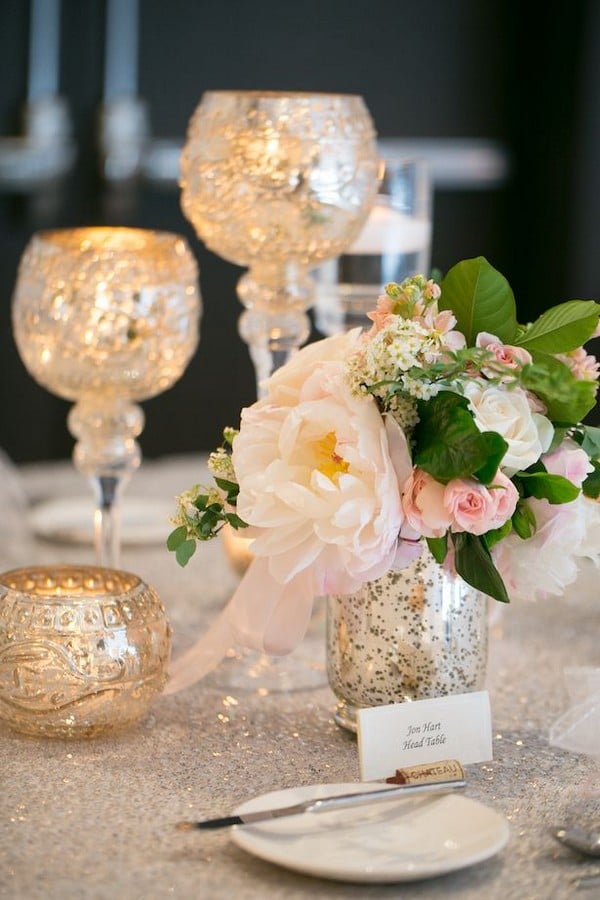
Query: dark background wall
[426,68]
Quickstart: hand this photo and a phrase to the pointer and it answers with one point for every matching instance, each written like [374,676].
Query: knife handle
[385,793]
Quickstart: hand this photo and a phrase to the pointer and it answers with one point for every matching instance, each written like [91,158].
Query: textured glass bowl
[99,312]
[272,175]
[83,650]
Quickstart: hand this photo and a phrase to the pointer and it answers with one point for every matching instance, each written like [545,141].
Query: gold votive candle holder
[83,649]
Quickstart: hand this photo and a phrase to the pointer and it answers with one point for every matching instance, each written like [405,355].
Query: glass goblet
[106,317]
[278,182]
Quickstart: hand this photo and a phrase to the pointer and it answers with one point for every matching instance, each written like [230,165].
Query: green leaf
[207,524]
[562,328]
[545,486]
[497,534]
[560,433]
[496,448]
[449,444]
[201,501]
[235,521]
[523,520]
[537,466]
[481,299]
[177,537]
[567,398]
[591,485]
[230,487]
[474,564]
[185,552]
[589,440]
[438,548]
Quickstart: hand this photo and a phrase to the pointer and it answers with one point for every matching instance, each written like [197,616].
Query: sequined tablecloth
[96,819]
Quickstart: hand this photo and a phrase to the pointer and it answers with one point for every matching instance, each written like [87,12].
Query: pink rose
[477,508]
[423,504]
[570,461]
[508,356]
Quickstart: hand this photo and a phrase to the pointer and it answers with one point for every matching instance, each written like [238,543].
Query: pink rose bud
[478,508]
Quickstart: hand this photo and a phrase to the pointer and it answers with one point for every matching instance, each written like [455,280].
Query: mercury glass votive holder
[83,650]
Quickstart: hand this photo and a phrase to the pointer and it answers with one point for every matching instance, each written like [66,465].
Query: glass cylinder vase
[415,633]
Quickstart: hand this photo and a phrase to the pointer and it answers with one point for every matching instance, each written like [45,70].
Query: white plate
[70,520]
[397,840]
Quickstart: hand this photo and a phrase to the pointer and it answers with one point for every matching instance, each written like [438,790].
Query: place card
[405,734]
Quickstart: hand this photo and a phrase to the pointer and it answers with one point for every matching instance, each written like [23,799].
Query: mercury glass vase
[83,650]
[278,182]
[415,633]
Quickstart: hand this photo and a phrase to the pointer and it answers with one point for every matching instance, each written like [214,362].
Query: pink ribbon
[262,614]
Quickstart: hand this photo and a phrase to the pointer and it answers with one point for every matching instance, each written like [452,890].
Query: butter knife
[325,804]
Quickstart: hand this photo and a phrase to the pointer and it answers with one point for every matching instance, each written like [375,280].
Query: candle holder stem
[107,519]
[108,453]
[274,323]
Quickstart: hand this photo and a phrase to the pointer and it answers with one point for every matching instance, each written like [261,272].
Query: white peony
[507,411]
[284,385]
[318,471]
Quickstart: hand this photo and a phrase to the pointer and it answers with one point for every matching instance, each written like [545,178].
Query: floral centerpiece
[448,423]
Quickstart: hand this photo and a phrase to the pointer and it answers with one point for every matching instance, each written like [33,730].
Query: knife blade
[325,804]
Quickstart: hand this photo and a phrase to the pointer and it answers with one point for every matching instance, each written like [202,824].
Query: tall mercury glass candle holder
[278,182]
[106,317]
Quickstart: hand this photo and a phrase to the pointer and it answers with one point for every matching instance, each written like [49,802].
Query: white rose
[508,412]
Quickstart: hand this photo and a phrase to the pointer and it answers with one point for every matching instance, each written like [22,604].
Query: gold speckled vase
[415,633]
